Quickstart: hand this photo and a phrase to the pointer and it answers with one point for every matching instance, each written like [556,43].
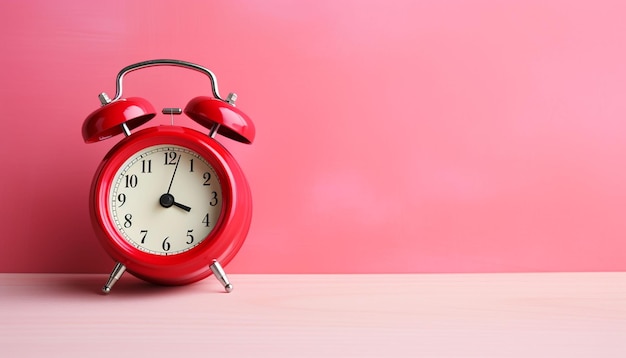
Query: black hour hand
[167,200]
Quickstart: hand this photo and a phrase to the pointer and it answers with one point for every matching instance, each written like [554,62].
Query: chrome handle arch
[165,62]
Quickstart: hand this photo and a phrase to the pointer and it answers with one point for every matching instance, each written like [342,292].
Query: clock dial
[165,199]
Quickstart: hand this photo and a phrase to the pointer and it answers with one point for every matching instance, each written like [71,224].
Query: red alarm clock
[168,203]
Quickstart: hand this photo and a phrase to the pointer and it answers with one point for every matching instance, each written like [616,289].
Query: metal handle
[165,62]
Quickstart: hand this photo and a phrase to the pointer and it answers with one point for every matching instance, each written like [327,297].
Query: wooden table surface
[416,315]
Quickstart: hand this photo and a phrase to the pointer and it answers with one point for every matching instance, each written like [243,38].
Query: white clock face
[165,199]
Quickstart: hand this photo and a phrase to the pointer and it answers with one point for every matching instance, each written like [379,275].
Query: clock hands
[167,200]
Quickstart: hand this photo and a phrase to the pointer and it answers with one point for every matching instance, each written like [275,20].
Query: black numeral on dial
[170,158]
[128,221]
[131,181]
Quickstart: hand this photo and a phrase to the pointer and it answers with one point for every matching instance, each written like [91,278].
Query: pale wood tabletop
[401,315]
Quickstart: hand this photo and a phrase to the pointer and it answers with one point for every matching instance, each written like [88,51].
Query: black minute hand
[173,175]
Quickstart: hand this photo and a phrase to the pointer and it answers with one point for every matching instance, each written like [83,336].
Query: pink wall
[393,136]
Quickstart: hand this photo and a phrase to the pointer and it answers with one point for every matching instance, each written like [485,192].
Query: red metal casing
[222,243]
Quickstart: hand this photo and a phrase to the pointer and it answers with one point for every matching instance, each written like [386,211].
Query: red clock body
[168,201]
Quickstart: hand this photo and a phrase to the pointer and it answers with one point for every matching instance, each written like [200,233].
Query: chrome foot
[117,272]
[219,273]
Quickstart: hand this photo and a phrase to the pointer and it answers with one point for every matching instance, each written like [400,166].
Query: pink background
[392,136]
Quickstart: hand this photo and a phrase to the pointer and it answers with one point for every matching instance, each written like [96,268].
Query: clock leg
[218,271]
[117,272]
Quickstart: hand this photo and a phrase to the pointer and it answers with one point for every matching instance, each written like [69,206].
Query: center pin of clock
[166,200]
